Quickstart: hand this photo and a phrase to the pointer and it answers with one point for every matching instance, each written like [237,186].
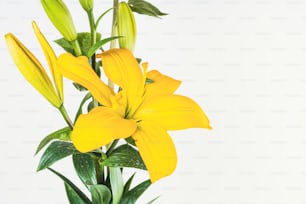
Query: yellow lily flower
[33,71]
[143,111]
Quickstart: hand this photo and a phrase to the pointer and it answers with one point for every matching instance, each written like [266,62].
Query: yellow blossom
[143,111]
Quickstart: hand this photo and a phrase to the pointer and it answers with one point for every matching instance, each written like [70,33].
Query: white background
[243,61]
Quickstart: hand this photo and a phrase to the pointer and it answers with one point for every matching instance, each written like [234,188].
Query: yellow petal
[173,112]
[161,85]
[51,59]
[156,149]
[121,67]
[79,70]
[99,127]
[31,69]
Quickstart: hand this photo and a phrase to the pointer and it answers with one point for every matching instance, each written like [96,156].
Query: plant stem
[114,32]
[93,37]
[66,116]
[93,41]
[76,47]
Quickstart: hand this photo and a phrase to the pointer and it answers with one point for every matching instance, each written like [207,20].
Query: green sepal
[84,40]
[61,134]
[82,196]
[145,8]
[99,44]
[131,196]
[72,196]
[85,168]
[55,151]
[100,194]
[124,156]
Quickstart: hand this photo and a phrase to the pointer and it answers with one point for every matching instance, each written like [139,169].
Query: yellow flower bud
[126,26]
[87,4]
[32,70]
[61,18]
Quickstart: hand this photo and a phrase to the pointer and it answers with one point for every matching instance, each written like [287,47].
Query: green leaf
[145,8]
[90,106]
[61,134]
[79,87]
[100,194]
[125,156]
[85,168]
[127,185]
[116,182]
[72,196]
[84,40]
[99,44]
[132,196]
[55,151]
[152,201]
[101,16]
[74,187]
[80,111]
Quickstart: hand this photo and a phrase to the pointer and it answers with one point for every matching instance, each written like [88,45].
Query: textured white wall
[242,61]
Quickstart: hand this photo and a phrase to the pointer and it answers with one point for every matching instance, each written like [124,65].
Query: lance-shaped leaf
[71,185]
[145,8]
[99,44]
[100,194]
[72,195]
[55,151]
[85,168]
[125,156]
[61,134]
[84,40]
[131,196]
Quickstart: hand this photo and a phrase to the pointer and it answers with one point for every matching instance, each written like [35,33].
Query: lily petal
[78,69]
[31,69]
[156,149]
[99,127]
[173,112]
[161,85]
[51,59]
[121,67]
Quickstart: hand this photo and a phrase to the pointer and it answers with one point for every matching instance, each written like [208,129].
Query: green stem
[92,25]
[93,37]
[114,33]
[76,47]
[66,116]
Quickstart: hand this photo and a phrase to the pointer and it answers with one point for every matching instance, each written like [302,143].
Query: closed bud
[126,27]
[87,5]
[32,70]
[61,18]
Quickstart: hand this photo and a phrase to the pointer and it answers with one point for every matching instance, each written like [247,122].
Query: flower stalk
[66,116]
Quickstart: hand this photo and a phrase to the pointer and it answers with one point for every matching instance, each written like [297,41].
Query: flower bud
[126,26]
[32,70]
[87,4]
[61,18]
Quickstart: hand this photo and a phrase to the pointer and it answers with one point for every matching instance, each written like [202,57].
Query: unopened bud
[87,4]
[61,18]
[126,26]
